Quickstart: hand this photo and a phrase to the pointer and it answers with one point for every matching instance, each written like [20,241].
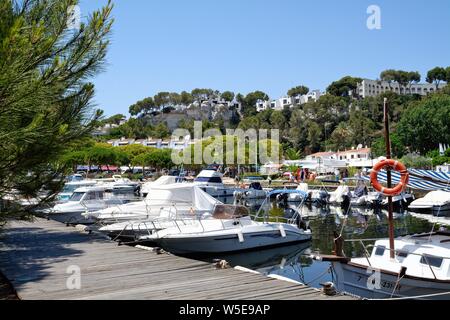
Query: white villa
[324,162]
[280,103]
[356,157]
[173,144]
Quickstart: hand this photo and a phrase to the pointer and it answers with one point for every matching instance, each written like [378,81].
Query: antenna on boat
[389,178]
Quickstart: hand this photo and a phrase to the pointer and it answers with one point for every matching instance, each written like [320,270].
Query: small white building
[322,156]
[281,103]
[174,144]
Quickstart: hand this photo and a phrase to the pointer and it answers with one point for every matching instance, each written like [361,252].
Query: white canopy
[182,193]
[178,194]
[164,180]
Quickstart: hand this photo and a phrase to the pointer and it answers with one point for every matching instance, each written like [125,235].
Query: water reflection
[355,223]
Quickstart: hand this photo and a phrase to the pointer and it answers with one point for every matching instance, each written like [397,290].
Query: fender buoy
[397,166]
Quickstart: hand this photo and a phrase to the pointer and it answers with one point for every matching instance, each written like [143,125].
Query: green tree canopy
[436,76]
[426,123]
[227,96]
[298,91]
[142,107]
[342,87]
[250,100]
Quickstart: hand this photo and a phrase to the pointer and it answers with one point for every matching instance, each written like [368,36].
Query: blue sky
[247,45]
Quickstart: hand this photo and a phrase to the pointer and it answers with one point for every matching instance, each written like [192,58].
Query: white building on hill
[373,88]
[172,144]
[280,103]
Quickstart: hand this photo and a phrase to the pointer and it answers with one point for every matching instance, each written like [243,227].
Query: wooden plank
[35,257]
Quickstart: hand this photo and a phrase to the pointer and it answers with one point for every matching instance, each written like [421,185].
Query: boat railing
[298,215]
[275,219]
[396,252]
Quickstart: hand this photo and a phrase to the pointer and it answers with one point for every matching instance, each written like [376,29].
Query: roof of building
[322,154]
[361,150]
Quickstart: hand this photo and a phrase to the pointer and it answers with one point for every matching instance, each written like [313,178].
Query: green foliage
[293,154]
[437,159]
[115,119]
[45,96]
[298,91]
[250,100]
[426,123]
[227,96]
[416,162]
[398,149]
[156,158]
[342,87]
[142,107]
[437,75]
[131,155]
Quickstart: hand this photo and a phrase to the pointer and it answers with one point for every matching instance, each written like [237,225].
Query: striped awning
[419,179]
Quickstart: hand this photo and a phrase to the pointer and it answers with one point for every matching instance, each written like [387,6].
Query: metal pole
[389,179]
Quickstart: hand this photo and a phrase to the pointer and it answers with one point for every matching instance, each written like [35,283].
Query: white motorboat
[117,181]
[162,181]
[254,191]
[163,203]
[338,196]
[318,196]
[70,187]
[420,269]
[229,229]
[211,182]
[89,199]
[435,202]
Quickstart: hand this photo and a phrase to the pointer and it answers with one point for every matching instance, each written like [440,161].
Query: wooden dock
[40,257]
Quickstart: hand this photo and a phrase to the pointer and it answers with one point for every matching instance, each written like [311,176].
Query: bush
[417,162]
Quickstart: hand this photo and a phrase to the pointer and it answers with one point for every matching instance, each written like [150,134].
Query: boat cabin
[101,193]
[209,177]
[424,255]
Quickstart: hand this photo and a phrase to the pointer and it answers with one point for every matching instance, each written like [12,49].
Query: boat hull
[231,242]
[357,279]
[72,218]
[434,210]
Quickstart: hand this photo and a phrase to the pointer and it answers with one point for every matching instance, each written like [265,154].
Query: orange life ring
[397,166]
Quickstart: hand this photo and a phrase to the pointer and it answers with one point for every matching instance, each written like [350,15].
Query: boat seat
[227,212]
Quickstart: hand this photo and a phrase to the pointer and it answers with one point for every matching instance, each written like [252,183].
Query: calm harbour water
[294,261]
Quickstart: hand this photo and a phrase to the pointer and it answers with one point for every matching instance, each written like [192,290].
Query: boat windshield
[69,188]
[77,196]
[223,211]
[209,179]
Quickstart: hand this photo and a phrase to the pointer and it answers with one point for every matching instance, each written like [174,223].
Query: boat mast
[389,179]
